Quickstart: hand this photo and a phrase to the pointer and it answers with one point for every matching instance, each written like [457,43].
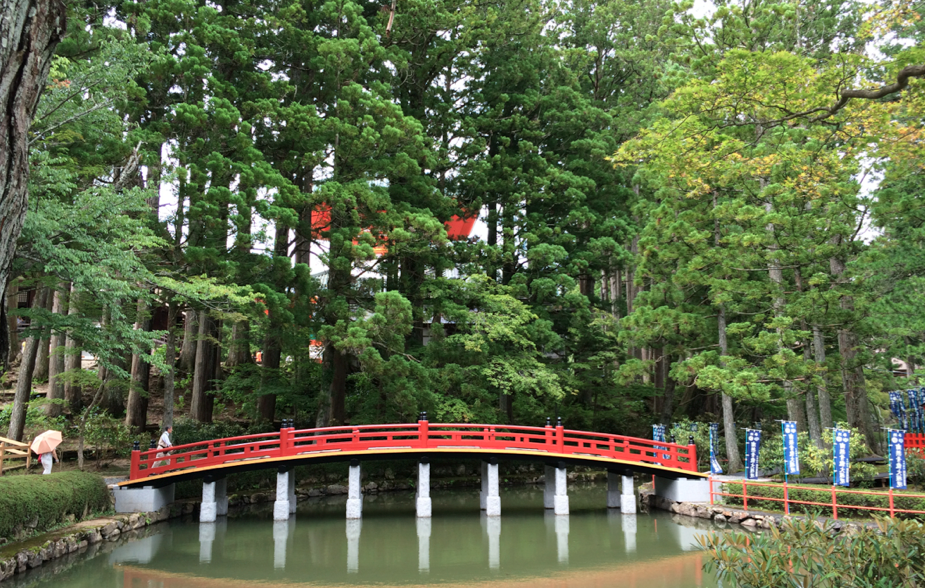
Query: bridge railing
[290,442]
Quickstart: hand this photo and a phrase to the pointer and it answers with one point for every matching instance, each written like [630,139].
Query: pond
[458,546]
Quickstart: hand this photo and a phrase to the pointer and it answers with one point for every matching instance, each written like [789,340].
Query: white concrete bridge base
[490,496]
[422,492]
[555,494]
[285,503]
[620,492]
[214,499]
[354,495]
[683,489]
[145,499]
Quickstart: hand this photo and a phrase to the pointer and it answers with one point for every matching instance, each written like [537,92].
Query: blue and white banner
[898,408]
[915,411]
[658,434]
[752,449]
[715,468]
[842,457]
[791,448]
[897,459]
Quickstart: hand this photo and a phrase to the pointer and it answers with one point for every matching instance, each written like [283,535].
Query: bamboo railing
[16,453]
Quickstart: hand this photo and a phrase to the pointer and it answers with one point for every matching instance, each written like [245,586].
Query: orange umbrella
[46,442]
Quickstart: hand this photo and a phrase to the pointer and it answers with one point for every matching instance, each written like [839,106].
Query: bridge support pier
[422,493]
[145,499]
[285,503]
[624,499]
[354,497]
[490,496]
[555,494]
[214,499]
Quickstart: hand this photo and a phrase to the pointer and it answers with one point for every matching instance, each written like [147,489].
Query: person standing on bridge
[164,443]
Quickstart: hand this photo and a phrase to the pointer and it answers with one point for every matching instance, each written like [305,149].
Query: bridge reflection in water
[586,548]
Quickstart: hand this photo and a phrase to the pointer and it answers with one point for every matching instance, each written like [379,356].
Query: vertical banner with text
[915,411]
[840,448]
[791,448]
[752,449]
[714,461]
[897,459]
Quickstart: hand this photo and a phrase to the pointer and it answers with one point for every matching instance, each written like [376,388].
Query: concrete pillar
[483,495]
[145,499]
[354,497]
[628,496]
[424,528]
[682,489]
[613,490]
[214,499]
[423,502]
[493,528]
[560,500]
[281,508]
[549,490]
[562,538]
[490,485]
[354,526]
[293,501]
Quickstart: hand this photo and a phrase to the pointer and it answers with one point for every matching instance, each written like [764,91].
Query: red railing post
[692,457]
[786,498]
[423,431]
[710,479]
[891,501]
[560,436]
[134,471]
[283,441]
[549,438]
[834,505]
[745,494]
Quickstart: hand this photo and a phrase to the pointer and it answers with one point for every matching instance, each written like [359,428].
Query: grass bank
[37,504]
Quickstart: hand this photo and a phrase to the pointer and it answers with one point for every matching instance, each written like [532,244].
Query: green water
[525,547]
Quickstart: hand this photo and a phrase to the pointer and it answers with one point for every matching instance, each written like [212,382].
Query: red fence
[828,498]
[915,441]
[290,442]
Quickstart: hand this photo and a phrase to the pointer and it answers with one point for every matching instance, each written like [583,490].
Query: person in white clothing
[46,459]
[164,443]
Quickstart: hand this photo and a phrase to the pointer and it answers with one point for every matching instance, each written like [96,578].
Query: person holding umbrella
[45,446]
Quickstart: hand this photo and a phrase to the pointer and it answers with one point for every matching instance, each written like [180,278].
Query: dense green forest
[704,213]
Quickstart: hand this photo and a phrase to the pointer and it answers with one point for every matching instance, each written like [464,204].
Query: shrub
[34,504]
[809,554]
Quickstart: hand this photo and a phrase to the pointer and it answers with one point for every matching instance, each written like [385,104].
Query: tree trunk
[856,402]
[668,402]
[40,372]
[14,349]
[136,414]
[73,394]
[332,410]
[188,348]
[812,417]
[272,352]
[825,403]
[203,372]
[506,406]
[29,32]
[239,349]
[113,400]
[170,355]
[729,425]
[56,364]
[24,384]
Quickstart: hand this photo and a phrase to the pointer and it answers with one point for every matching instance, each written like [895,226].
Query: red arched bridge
[154,472]
[291,446]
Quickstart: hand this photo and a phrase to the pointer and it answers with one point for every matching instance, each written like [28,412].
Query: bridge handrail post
[423,430]
[548,432]
[745,494]
[692,457]
[135,468]
[283,441]
[560,435]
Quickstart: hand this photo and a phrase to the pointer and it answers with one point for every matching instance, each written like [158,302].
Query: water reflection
[457,547]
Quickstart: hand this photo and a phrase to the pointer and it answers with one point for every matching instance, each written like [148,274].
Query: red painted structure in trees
[423,438]
[915,441]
